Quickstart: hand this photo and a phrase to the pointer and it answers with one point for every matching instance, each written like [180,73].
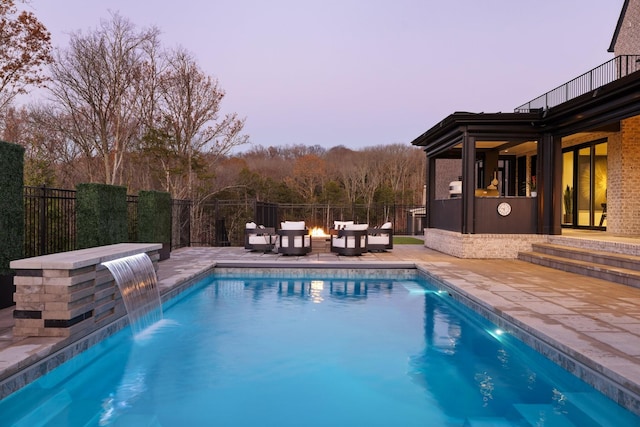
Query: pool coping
[323,265]
[608,380]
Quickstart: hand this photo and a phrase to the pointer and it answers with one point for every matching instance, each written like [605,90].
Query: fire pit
[319,240]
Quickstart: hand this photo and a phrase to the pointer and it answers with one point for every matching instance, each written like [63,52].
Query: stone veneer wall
[628,41]
[71,294]
[624,248]
[623,164]
[623,180]
[491,246]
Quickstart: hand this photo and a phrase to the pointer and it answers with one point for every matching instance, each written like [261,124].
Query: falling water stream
[136,279]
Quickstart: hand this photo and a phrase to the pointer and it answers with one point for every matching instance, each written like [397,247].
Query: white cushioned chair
[380,238]
[259,238]
[294,238]
[348,238]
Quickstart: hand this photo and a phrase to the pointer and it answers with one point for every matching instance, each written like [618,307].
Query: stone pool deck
[588,325]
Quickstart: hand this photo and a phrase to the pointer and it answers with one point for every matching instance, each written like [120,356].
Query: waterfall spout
[136,279]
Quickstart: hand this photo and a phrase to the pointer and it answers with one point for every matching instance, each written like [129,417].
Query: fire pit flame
[318,232]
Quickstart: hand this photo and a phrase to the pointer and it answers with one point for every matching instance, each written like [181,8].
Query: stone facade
[487,246]
[70,294]
[623,161]
[628,37]
[623,164]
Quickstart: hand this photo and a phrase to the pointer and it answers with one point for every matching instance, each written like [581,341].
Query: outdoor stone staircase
[613,261]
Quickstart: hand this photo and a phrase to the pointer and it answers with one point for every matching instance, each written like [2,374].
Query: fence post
[42,205]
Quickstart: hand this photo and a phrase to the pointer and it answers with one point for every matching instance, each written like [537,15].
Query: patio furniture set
[294,238]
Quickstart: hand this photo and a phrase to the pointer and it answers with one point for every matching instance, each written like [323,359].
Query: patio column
[549,175]
[431,189]
[468,183]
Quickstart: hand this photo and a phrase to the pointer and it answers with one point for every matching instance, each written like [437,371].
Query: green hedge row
[154,217]
[11,204]
[101,215]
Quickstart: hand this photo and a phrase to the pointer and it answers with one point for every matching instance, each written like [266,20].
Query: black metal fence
[50,219]
[132,218]
[222,223]
[180,223]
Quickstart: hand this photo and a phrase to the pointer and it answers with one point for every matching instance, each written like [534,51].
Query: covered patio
[498,182]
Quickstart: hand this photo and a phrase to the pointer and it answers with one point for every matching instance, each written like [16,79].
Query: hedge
[101,215]
[11,204]
[154,217]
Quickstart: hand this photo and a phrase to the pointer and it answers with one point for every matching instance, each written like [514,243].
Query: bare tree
[308,176]
[340,163]
[50,159]
[187,118]
[98,84]
[369,174]
[25,49]
[403,167]
[47,135]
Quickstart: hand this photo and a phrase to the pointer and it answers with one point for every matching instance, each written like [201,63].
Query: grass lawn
[404,240]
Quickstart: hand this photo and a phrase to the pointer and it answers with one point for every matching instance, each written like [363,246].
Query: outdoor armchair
[294,238]
[348,238]
[380,238]
[259,238]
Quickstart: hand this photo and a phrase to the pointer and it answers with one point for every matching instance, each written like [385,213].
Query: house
[567,159]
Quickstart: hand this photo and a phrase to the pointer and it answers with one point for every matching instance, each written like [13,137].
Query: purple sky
[365,72]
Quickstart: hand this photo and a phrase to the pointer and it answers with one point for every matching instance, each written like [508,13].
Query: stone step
[604,257]
[46,411]
[624,276]
[605,417]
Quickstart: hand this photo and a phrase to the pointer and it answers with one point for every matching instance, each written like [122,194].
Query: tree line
[120,108]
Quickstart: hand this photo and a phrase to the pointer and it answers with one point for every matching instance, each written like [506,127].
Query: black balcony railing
[612,70]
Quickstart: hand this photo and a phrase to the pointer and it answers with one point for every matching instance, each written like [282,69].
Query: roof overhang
[601,107]
[494,128]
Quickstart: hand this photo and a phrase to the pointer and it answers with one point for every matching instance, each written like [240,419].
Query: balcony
[612,70]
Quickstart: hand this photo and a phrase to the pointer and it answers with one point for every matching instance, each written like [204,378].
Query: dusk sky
[363,73]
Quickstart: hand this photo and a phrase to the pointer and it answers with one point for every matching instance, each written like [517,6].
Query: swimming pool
[312,352]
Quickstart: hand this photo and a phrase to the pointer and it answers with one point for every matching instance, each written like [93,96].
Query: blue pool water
[312,352]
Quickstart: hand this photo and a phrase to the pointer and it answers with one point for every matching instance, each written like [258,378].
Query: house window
[505,173]
[584,182]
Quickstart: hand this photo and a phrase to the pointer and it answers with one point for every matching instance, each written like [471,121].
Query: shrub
[154,217]
[101,215]
[11,204]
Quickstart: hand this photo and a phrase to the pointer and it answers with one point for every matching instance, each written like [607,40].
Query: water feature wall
[71,294]
[136,279]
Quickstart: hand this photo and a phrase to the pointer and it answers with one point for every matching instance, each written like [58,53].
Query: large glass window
[584,183]
[600,184]
[584,187]
[567,188]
